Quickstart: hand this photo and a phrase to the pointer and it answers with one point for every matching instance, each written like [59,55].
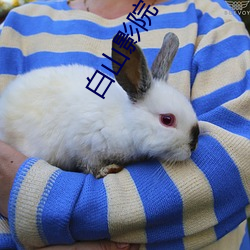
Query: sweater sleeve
[183,206]
[187,205]
[6,241]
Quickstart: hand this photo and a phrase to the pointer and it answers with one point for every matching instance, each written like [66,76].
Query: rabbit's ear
[162,62]
[135,77]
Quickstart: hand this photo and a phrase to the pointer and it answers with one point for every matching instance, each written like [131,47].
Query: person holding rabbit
[200,202]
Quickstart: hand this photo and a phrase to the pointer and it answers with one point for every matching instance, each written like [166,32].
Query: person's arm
[10,161]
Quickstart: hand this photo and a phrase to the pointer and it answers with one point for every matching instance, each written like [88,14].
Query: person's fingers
[94,245]
[134,247]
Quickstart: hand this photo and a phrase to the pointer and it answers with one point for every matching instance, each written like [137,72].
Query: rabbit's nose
[195,131]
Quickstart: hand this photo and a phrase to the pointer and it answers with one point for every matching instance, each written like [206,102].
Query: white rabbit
[49,113]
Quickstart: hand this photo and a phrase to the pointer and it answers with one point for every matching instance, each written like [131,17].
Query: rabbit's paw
[110,169]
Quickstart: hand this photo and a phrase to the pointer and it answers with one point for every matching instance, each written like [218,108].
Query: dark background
[243,14]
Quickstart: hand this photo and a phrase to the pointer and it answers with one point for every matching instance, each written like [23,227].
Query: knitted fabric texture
[184,206]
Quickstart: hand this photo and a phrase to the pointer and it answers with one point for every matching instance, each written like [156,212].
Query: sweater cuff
[6,241]
[30,193]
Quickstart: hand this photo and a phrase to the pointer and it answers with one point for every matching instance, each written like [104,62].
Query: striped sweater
[184,206]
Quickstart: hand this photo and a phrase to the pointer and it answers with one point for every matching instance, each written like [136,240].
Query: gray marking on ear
[135,77]
[163,61]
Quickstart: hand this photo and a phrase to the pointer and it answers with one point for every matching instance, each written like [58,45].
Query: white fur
[49,113]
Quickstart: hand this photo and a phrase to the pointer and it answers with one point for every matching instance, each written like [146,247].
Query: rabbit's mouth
[181,154]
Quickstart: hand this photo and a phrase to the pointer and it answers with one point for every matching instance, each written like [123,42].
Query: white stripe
[236,146]
[123,198]
[214,10]
[208,78]
[28,201]
[231,241]
[201,239]
[195,189]
[240,105]
[63,43]
[4,227]
[221,33]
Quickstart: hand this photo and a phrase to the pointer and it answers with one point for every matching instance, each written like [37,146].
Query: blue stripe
[208,23]
[91,212]
[91,29]
[13,57]
[20,176]
[228,120]
[62,5]
[167,245]
[46,59]
[54,4]
[184,19]
[245,245]
[218,54]
[59,209]
[204,104]
[165,213]
[223,176]
[65,209]
[25,26]
[6,242]
[172,2]
[24,64]
[70,27]
[230,223]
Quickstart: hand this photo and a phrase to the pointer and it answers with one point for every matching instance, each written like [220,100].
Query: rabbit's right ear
[163,61]
[135,77]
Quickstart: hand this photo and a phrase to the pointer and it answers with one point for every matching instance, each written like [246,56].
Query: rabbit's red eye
[168,120]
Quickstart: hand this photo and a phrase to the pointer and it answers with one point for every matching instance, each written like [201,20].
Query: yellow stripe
[4,227]
[181,82]
[231,241]
[63,43]
[60,43]
[214,10]
[194,190]
[28,200]
[240,105]
[219,34]
[236,146]
[211,84]
[158,35]
[123,198]
[35,10]
[200,239]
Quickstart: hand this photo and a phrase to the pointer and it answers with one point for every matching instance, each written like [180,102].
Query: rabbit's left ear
[135,77]
[163,61]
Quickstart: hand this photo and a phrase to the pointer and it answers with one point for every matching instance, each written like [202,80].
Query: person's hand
[10,161]
[94,245]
